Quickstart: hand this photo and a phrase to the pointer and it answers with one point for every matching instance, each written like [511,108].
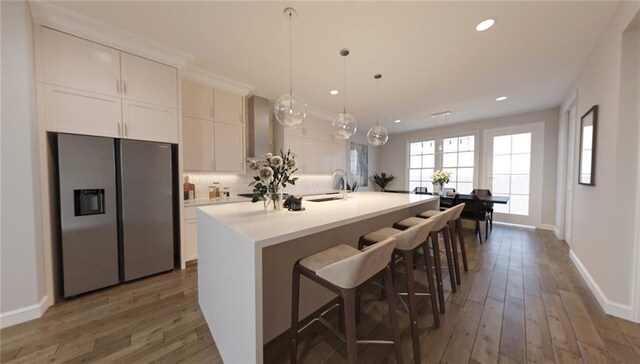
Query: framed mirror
[588,128]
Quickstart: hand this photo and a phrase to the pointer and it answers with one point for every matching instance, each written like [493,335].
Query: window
[458,159]
[422,159]
[511,172]
[455,155]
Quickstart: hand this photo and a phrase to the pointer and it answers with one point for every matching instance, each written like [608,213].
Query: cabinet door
[318,129]
[197,144]
[296,144]
[320,156]
[149,122]
[72,111]
[147,81]
[338,156]
[229,147]
[228,107]
[80,64]
[191,239]
[197,100]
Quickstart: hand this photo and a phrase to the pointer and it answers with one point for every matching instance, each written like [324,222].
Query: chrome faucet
[344,181]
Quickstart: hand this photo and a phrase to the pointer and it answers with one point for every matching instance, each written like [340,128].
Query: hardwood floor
[521,301]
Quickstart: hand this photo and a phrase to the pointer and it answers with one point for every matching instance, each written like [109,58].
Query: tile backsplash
[239,183]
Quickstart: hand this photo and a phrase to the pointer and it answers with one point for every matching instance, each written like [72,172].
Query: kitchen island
[246,255]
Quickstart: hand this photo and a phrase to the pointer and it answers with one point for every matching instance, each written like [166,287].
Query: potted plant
[382,180]
[274,173]
[440,178]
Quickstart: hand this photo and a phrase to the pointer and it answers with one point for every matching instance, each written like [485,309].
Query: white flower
[291,163]
[276,161]
[268,155]
[266,173]
[253,165]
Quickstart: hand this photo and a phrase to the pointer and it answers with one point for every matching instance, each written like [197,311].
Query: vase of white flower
[440,178]
[274,173]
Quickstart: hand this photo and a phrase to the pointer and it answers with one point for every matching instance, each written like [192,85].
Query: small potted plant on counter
[274,174]
[382,180]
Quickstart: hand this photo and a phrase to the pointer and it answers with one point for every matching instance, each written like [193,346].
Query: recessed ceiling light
[501,98]
[333,92]
[397,121]
[486,24]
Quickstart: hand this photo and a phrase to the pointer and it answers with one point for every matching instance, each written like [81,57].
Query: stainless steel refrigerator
[116,211]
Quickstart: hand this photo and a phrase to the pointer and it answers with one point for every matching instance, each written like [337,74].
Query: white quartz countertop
[267,228]
[206,201]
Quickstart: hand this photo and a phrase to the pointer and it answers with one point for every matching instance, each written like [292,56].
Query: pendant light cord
[290,53]
[378,102]
[344,85]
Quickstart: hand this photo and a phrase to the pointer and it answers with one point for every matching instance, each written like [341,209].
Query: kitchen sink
[325,199]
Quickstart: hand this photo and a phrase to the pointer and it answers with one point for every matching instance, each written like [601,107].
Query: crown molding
[53,16]
[217,81]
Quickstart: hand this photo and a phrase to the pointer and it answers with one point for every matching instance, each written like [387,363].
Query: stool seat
[327,257]
[429,213]
[408,222]
[381,234]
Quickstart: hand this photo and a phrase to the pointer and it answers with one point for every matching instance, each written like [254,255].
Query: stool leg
[349,297]
[411,295]
[388,284]
[431,284]
[295,297]
[463,249]
[447,250]
[454,250]
[437,264]
[341,312]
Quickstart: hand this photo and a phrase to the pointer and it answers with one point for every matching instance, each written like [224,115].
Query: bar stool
[407,243]
[439,227]
[455,226]
[342,269]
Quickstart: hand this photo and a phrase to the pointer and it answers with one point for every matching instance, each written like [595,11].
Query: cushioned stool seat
[429,213]
[381,234]
[324,258]
[408,222]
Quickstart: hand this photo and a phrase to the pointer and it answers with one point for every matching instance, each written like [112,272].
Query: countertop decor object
[382,180]
[274,173]
[290,110]
[440,178]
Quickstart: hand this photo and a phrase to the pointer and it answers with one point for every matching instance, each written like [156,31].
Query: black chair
[447,202]
[421,191]
[476,210]
[482,192]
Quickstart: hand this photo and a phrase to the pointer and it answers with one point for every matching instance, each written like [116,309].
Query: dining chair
[484,192]
[476,210]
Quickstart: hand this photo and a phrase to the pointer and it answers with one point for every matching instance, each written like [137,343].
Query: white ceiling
[429,53]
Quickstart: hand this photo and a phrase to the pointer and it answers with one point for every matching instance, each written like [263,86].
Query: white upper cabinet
[318,129]
[197,100]
[229,147]
[147,81]
[228,107]
[197,144]
[142,121]
[76,63]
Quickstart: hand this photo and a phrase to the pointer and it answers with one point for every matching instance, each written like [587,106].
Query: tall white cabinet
[318,151]
[88,88]
[213,129]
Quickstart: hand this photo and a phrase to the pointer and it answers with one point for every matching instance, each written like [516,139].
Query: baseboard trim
[547,227]
[24,314]
[610,307]
[557,232]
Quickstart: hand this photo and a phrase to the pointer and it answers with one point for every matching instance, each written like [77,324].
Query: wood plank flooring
[522,301]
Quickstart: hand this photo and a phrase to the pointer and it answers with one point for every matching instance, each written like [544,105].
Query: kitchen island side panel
[278,260]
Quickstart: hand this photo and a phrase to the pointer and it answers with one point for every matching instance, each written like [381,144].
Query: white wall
[393,155]
[21,274]
[604,216]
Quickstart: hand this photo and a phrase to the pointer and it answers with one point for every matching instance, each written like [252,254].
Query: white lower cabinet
[72,111]
[149,122]
[190,242]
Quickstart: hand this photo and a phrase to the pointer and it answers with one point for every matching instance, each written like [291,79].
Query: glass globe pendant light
[377,135]
[290,110]
[344,125]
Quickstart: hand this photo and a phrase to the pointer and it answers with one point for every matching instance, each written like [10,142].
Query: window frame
[439,153]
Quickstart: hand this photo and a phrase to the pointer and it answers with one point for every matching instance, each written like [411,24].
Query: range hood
[259,138]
